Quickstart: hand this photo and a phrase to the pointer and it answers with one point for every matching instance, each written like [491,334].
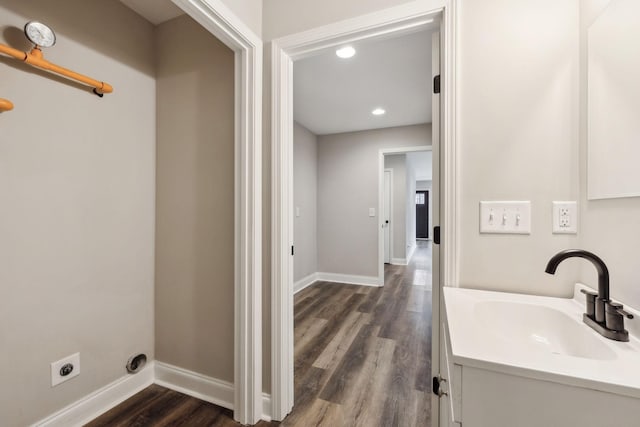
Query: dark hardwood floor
[362,358]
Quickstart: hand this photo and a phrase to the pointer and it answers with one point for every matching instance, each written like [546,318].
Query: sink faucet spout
[601,268]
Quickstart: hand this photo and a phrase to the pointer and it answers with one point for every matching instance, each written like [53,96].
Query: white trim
[381,153]
[100,401]
[305,282]
[391,218]
[196,385]
[350,279]
[266,407]
[395,20]
[218,19]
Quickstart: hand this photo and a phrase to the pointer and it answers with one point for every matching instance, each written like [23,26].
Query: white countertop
[476,343]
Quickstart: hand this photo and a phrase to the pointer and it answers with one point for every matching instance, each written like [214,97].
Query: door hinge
[292,251]
[436,234]
[437,382]
[436,84]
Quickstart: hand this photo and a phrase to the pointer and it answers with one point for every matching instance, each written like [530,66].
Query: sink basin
[542,338]
[540,328]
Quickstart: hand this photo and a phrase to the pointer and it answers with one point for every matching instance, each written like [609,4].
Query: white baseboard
[398,261]
[351,279]
[194,384]
[101,400]
[304,282]
[191,383]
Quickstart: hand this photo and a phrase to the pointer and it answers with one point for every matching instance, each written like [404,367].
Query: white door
[386,215]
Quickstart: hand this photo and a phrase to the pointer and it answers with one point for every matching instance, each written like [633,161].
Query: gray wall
[194,296]
[347,188]
[610,228]
[398,163]
[305,184]
[77,217]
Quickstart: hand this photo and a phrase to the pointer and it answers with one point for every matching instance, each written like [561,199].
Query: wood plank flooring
[362,358]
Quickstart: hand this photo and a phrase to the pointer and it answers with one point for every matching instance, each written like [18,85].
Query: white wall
[518,139]
[283,17]
[347,188]
[77,218]
[398,163]
[610,228]
[305,184]
[249,12]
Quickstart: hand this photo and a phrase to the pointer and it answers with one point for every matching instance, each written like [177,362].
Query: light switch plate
[372,212]
[565,217]
[510,217]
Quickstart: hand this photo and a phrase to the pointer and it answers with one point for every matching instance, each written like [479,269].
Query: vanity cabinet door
[451,403]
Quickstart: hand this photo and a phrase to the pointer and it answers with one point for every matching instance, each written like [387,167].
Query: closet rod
[5,105]
[35,58]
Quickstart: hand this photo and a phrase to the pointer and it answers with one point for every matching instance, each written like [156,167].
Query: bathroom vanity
[529,361]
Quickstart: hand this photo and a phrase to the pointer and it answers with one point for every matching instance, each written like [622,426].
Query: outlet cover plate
[565,217]
[56,378]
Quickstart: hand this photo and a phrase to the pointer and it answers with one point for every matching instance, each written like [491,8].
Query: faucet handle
[591,303]
[588,293]
[617,308]
[614,319]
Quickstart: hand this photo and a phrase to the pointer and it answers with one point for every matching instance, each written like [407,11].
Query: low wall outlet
[65,369]
[565,217]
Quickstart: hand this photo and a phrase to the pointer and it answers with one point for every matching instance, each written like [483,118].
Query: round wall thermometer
[39,34]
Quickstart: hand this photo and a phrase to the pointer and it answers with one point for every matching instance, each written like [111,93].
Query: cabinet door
[451,403]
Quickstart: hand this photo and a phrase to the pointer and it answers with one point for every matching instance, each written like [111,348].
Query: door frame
[381,210]
[381,153]
[220,21]
[395,20]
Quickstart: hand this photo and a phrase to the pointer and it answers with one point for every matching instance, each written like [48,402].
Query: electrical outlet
[65,369]
[565,217]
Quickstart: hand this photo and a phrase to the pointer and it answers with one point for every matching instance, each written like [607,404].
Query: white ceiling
[333,95]
[154,11]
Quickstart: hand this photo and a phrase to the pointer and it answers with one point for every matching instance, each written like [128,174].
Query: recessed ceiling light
[378,112]
[346,52]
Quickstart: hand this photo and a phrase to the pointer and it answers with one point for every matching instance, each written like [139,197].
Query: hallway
[363,354]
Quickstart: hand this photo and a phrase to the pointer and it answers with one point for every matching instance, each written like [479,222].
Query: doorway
[386,213]
[285,50]
[422,214]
